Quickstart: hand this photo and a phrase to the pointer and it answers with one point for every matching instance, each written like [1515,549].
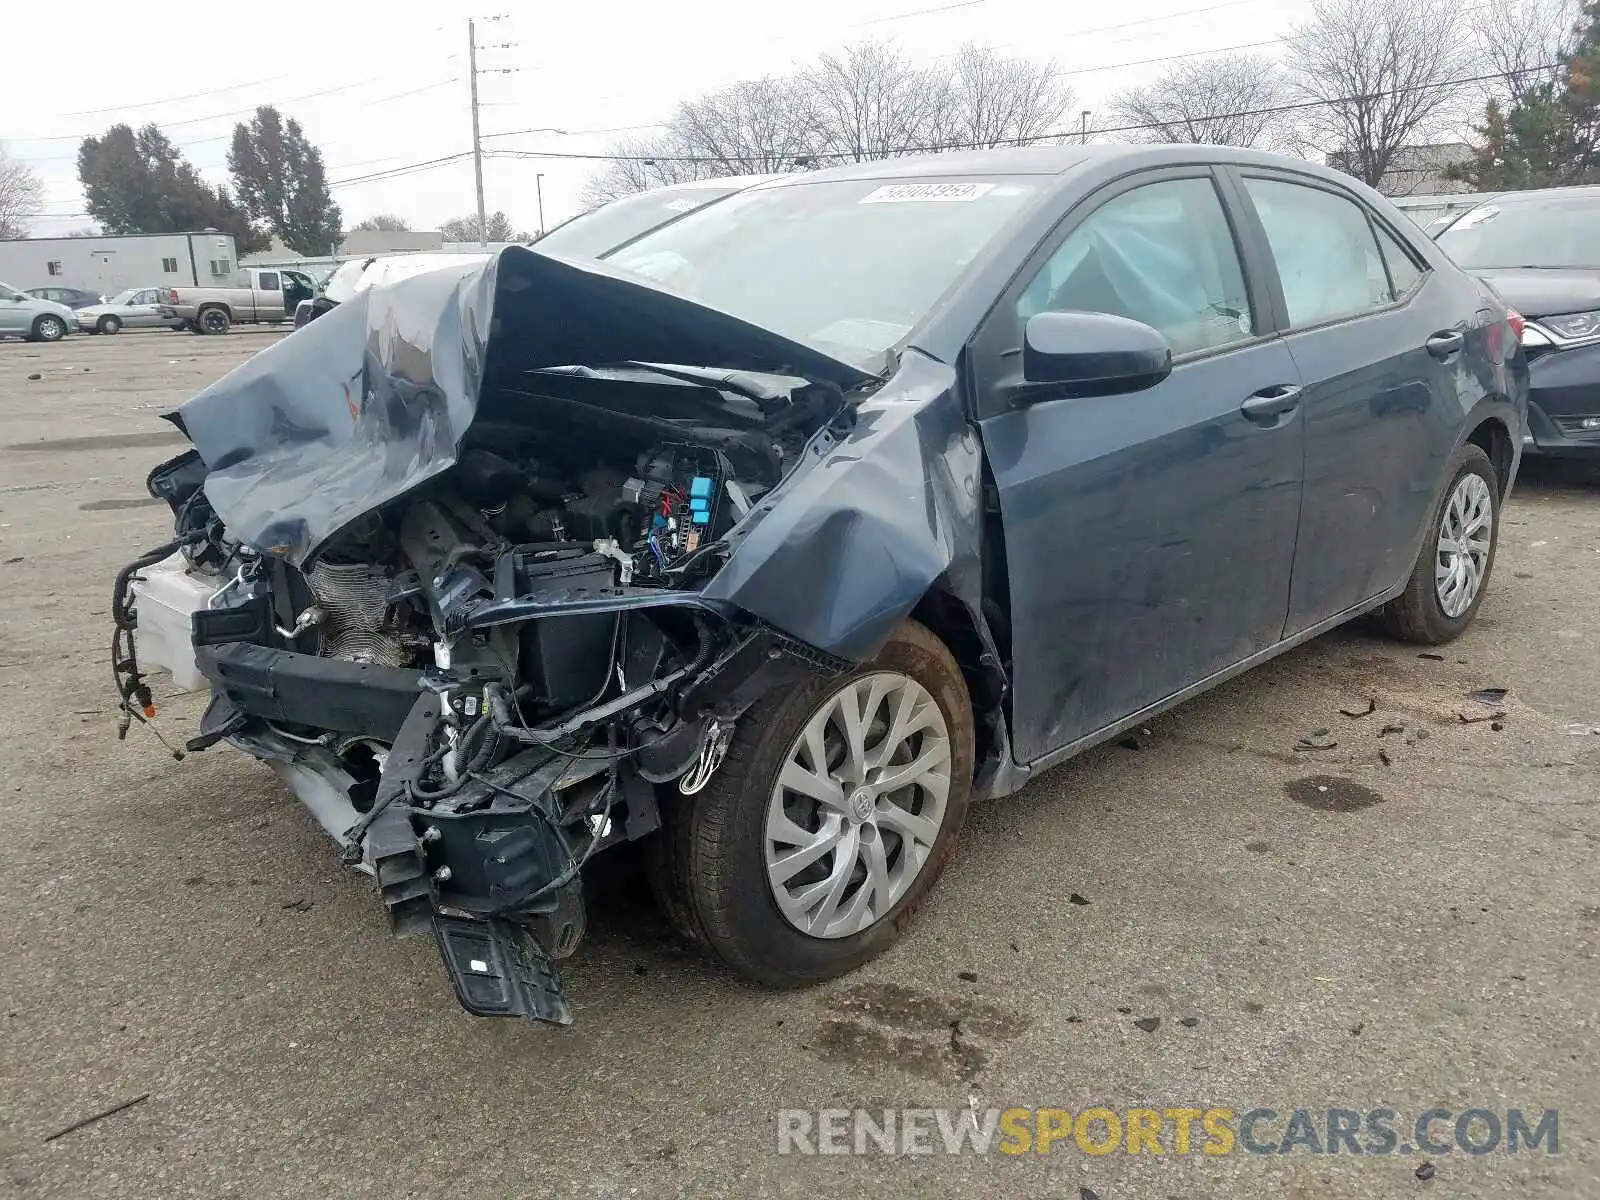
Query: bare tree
[1525,43]
[1378,75]
[381,223]
[749,128]
[991,99]
[496,227]
[755,127]
[639,164]
[21,196]
[868,101]
[1231,100]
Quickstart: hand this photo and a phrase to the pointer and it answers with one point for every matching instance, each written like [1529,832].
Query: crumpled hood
[1545,293]
[374,397]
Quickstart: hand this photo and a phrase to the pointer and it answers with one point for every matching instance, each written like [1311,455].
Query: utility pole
[538,190]
[1083,124]
[477,142]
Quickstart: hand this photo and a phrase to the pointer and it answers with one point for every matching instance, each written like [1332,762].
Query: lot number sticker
[912,193]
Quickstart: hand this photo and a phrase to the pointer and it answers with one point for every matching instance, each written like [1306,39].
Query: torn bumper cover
[476,574]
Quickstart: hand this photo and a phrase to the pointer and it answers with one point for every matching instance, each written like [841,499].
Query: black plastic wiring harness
[134,700]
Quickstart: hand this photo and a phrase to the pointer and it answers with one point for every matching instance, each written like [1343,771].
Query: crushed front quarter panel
[848,546]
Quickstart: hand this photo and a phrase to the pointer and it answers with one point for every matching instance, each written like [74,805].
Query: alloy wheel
[858,805]
[1466,533]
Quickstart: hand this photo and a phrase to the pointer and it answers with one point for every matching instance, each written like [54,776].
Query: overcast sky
[376,90]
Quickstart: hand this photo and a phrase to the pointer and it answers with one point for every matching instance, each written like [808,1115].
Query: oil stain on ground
[113,505]
[107,441]
[1331,793]
[936,1037]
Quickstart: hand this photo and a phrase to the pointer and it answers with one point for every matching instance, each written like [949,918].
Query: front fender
[847,546]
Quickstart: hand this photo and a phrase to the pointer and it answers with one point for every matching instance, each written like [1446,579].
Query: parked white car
[33,319]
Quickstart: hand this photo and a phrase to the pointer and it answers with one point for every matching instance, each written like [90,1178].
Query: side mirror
[1090,354]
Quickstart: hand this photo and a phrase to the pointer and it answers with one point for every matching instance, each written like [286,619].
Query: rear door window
[1404,273]
[269,281]
[1325,250]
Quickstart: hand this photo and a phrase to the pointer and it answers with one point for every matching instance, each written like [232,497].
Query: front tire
[834,813]
[1452,572]
[49,328]
[108,325]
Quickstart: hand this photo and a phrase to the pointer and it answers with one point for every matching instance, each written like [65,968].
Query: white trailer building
[109,264]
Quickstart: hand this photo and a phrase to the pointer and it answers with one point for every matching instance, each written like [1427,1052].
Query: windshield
[849,268]
[591,234]
[341,284]
[1556,230]
[124,297]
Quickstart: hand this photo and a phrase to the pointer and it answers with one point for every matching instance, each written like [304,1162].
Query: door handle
[1271,402]
[1443,345]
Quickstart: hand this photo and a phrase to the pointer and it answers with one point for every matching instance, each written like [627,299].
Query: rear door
[1148,537]
[1377,339]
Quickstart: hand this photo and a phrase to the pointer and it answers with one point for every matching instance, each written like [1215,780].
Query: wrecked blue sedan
[774,539]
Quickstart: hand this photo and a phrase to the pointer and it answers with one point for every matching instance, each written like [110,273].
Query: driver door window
[1162,254]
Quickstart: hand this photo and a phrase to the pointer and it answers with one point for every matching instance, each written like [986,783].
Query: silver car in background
[134,308]
[33,319]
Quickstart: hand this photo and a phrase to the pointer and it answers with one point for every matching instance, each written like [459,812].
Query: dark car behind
[71,297]
[1541,251]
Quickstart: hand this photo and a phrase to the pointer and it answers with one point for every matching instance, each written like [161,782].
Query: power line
[1145,62]
[223,137]
[408,169]
[573,132]
[920,12]
[1141,62]
[232,87]
[1029,139]
[238,112]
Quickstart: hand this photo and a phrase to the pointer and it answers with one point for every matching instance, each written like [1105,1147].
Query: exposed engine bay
[478,686]
[508,565]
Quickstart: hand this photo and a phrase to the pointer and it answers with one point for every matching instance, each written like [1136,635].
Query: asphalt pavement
[1200,916]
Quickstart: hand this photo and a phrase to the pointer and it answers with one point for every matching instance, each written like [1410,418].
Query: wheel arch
[971,643]
[1491,435]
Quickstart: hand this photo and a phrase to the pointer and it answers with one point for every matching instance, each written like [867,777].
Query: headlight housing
[1573,326]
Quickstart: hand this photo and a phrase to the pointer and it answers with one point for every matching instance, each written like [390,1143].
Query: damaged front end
[447,561]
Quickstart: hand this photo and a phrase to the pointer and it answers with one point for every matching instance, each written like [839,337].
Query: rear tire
[716,864]
[48,328]
[108,325]
[1452,572]
[213,320]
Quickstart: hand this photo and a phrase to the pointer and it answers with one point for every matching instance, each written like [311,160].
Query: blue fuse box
[701,491]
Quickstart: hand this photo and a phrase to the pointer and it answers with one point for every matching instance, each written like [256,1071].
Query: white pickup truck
[269,295]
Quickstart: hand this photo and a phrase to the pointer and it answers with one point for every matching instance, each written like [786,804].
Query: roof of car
[1047,160]
[1574,192]
[719,181]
